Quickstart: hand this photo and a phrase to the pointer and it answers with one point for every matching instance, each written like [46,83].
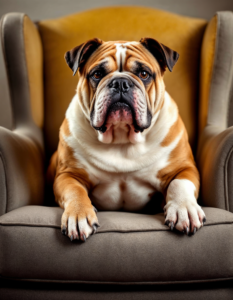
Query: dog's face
[120,85]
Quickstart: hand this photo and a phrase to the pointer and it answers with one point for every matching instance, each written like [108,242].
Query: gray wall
[44,9]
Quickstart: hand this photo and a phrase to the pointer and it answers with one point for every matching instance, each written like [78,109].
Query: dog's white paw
[182,211]
[79,222]
[186,217]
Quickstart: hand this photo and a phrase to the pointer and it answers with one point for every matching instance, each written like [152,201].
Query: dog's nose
[120,85]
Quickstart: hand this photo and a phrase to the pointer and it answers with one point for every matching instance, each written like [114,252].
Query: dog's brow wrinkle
[120,55]
[101,65]
[120,63]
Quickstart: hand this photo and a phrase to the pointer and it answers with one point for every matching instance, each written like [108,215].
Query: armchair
[132,256]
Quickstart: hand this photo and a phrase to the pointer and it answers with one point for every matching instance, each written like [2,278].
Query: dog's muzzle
[121,100]
[120,85]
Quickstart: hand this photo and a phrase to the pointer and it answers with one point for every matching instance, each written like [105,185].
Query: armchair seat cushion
[127,248]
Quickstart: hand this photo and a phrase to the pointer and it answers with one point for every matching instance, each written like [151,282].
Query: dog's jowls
[122,139]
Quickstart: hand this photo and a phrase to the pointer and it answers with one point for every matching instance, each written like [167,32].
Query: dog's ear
[165,56]
[77,57]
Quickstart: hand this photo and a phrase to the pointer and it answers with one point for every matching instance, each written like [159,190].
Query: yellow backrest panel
[34,64]
[120,23]
[207,62]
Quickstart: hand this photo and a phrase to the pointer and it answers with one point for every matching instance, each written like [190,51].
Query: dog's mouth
[120,112]
[118,106]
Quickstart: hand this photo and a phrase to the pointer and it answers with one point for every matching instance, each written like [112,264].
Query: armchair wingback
[215,114]
[22,150]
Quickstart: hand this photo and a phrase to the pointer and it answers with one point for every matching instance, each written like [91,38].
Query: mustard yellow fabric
[120,23]
[34,64]
[206,68]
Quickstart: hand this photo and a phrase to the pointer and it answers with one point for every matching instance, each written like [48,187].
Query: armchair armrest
[215,146]
[21,149]
[215,163]
[21,170]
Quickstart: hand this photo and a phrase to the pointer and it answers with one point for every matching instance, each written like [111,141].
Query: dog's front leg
[79,219]
[181,210]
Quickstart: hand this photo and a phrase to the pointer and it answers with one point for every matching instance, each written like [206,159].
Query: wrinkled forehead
[120,56]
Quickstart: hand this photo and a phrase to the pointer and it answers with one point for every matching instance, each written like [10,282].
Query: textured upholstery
[22,170]
[214,157]
[127,247]
[216,83]
[21,150]
[24,67]
[123,23]
[220,94]
[57,291]
[34,63]
[215,163]
[206,69]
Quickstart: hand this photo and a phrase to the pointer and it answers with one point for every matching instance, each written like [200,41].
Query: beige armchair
[132,256]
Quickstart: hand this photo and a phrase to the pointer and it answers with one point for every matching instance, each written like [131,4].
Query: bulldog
[122,139]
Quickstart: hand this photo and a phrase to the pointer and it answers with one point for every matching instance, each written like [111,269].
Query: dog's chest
[127,192]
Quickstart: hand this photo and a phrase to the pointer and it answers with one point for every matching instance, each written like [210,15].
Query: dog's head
[120,85]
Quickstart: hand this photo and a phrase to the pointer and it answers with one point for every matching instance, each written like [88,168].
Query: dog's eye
[143,75]
[97,75]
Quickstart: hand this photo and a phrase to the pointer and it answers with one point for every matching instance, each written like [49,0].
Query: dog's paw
[186,216]
[79,221]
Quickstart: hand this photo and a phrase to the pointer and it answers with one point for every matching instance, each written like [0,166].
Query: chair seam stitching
[7,70]
[229,91]
[219,279]
[216,45]
[26,66]
[226,187]
[6,182]
[104,231]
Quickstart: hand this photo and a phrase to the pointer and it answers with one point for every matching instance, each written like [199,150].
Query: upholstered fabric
[21,150]
[24,66]
[214,158]
[206,68]
[215,163]
[216,83]
[120,23]
[11,290]
[34,63]
[127,248]
[220,96]
[21,170]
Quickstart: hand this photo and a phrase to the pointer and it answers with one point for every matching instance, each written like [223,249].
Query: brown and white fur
[118,158]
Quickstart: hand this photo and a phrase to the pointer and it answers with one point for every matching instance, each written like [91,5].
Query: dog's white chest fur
[123,176]
[127,192]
